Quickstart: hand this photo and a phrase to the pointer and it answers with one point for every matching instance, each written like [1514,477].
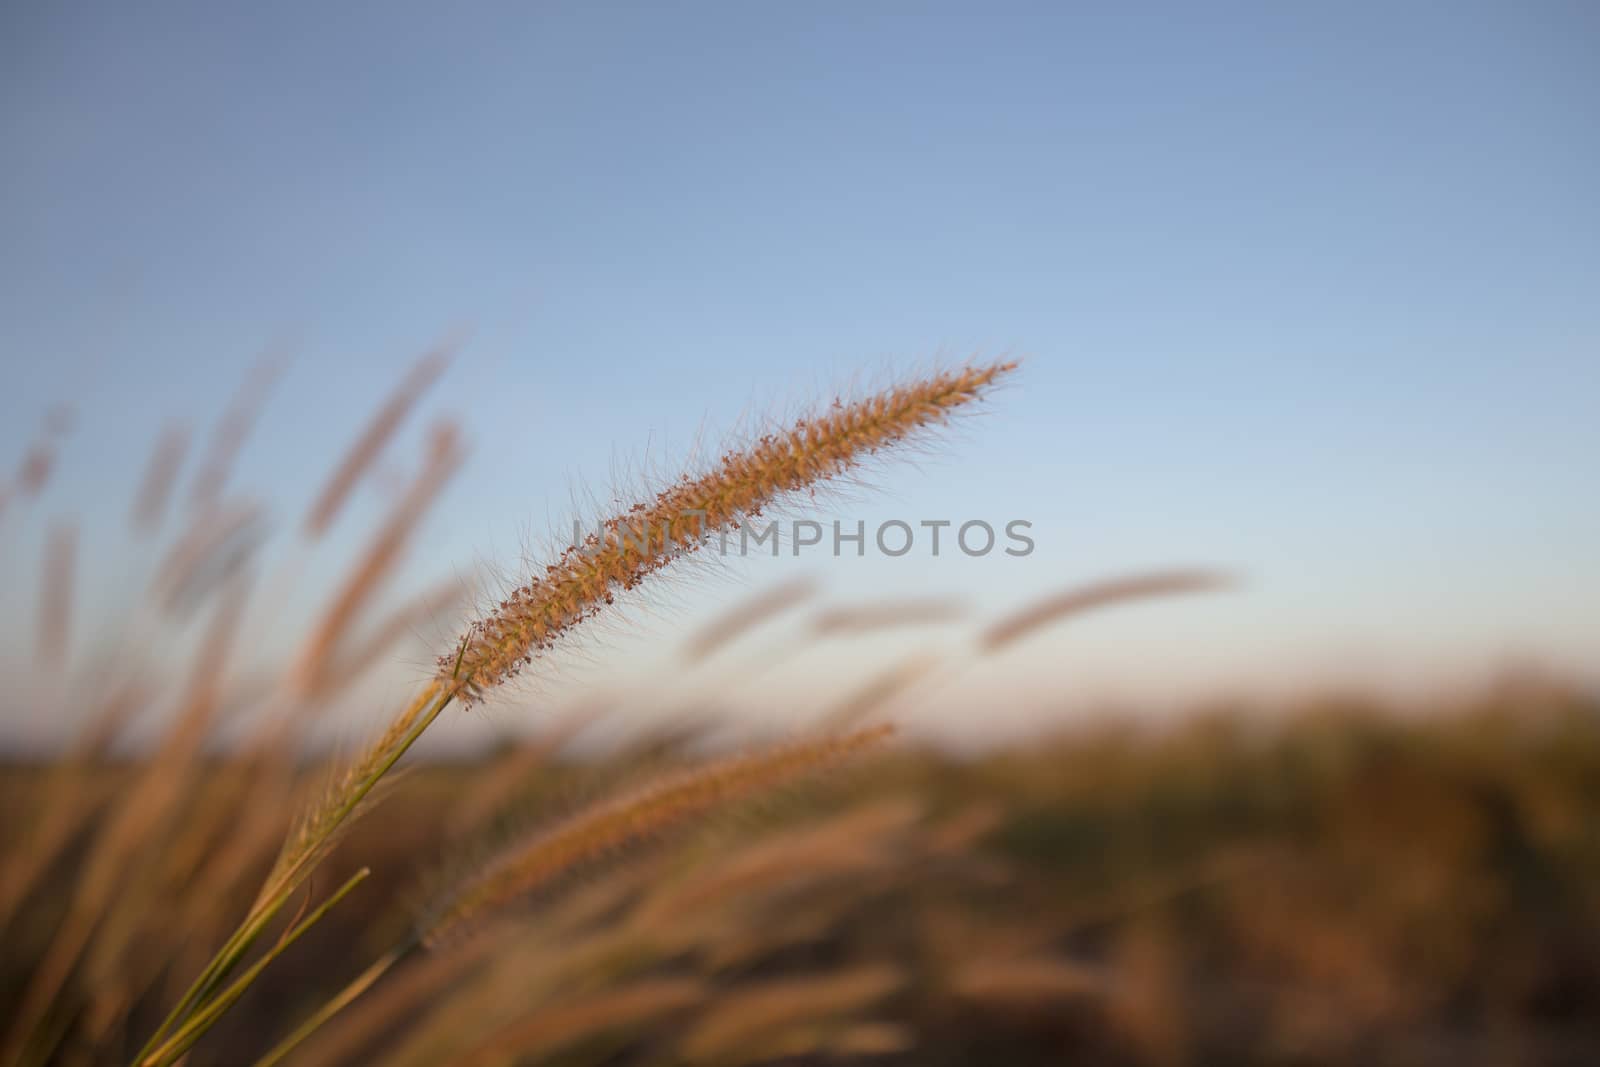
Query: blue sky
[1306,290]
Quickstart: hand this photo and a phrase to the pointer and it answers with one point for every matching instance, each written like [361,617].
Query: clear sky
[1310,291]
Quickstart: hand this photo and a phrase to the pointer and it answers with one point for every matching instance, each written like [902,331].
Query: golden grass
[766,1011]
[213,545]
[232,429]
[1337,882]
[576,1017]
[649,811]
[681,518]
[55,597]
[887,615]
[161,475]
[633,546]
[742,618]
[1014,981]
[994,886]
[1073,602]
[379,560]
[374,438]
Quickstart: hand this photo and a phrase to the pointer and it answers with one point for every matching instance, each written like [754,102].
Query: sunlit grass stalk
[653,809]
[337,1003]
[584,579]
[310,845]
[184,1037]
[524,868]
[682,517]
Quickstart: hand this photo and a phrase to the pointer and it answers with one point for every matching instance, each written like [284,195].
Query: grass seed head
[538,862]
[631,546]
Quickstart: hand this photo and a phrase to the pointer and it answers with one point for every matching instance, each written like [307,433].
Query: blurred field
[1329,883]
[1342,882]
[656,667]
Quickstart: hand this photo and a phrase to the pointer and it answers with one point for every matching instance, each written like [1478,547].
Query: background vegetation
[1318,883]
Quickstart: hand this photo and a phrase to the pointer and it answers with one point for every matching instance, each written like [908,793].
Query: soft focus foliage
[1357,881]
[1308,884]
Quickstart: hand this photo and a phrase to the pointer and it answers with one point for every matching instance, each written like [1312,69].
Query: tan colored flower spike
[683,516]
[638,816]
[581,582]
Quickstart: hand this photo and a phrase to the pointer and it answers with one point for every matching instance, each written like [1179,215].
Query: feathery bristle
[683,516]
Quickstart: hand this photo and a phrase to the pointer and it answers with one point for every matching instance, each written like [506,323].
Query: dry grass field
[1353,883]
[1330,882]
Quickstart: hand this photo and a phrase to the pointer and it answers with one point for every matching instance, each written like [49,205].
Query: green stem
[241,940]
[226,958]
[186,1035]
[360,985]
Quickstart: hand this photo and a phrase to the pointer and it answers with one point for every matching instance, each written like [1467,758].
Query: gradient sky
[1309,291]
